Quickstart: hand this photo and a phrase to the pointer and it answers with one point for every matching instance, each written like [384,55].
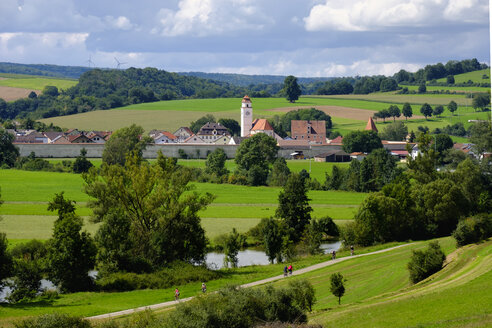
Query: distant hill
[247,80]
[72,72]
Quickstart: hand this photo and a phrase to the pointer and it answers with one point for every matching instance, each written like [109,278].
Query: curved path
[251,284]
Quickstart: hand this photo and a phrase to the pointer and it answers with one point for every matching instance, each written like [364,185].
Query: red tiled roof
[262,125]
[169,135]
[246,99]
[337,140]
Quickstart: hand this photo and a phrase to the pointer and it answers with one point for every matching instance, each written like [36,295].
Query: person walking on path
[333,255]
[290,269]
[204,287]
[176,294]
[285,271]
[352,250]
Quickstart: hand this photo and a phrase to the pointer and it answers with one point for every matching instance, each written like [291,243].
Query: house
[338,141]
[183,133]
[400,154]
[224,140]
[97,137]
[79,138]
[333,156]
[312,131]
[162,137]
[52,135]
[210,132]
[33,137]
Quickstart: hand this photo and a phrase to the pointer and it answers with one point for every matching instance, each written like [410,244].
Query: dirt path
[251,284]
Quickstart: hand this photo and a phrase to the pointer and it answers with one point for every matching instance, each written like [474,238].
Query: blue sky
[279,37]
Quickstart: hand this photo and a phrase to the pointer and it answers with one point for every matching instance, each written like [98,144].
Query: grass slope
[457,296]
[475,76]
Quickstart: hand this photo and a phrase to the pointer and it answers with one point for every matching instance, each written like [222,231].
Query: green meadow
[34,82]
[475,76]
[26,195]
[444,88]
[384,99]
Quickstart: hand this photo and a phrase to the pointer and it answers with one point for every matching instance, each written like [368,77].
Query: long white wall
[169,150]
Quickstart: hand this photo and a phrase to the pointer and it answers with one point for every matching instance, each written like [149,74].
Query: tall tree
[394,111]
[215,163]
[231,125]
[8,151]
[158,203]
[254,156]
[273,232]
[481,136]
[481,101]
[452,106]
[407,110]
[361,141]
[426,110]
[232,245]
[71,253]
[82,164]
[396,131]
[438,110]
[293,206]
[196,125]
[336,285]
[291,89]
[122,142]
[280,173]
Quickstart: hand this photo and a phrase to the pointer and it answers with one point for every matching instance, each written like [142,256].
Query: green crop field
[388,98]
[34,82]
[475,76]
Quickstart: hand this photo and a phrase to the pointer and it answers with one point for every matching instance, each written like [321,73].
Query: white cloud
[210,17]
[120,23]
[366,15]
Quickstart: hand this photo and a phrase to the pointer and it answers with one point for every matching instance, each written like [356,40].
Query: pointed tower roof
[371,125]
[246,99]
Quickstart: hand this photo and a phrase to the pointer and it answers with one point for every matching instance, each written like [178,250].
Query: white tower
[246,116]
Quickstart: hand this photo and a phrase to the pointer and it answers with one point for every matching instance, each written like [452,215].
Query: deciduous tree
[122,142]
[294,207]
[8,151]
[337,287]
[361,141]
[215,163]
[426,110]
[452,106]
[291,89]
[407,110]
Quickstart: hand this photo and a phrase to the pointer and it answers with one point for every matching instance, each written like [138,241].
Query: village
[307,140]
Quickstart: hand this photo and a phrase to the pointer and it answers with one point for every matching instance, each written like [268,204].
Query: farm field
[34,82]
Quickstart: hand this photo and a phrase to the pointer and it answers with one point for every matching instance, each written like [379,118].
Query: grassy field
[417,99]
[475,76]
[34,82]
[26,196]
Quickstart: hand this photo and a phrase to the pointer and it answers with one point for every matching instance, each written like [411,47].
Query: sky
[305,38]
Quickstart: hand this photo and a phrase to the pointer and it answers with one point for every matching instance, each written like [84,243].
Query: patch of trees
[425,263]
[437,71]
[368,84]
[8,151]
[473,229]
[337,87]
[282,124]
[371,174]
[422,202]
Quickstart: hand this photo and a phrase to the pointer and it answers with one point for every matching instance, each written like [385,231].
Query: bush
[473,229]
[53,321]
[177,274]
[425,263]
[233,307]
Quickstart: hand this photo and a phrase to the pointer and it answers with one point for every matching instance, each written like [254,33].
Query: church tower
[246,116]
